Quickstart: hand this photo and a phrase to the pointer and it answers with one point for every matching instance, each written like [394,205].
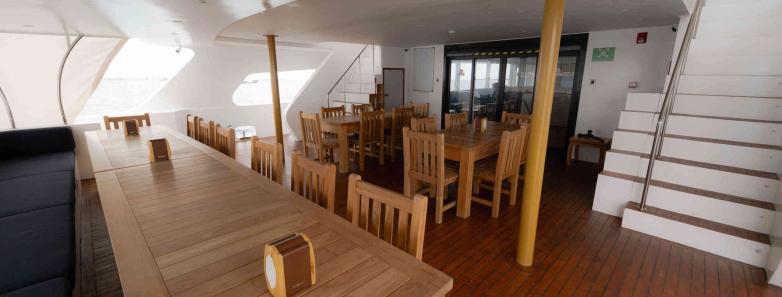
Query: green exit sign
[602,54]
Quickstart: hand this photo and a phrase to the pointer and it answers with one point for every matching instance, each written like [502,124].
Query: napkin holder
[159,150]
[289,264]
[480,124]
[131,127]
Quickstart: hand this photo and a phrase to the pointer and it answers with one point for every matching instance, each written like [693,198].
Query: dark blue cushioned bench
[37,190]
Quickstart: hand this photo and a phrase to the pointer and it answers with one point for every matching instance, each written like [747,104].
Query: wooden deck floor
[579,252]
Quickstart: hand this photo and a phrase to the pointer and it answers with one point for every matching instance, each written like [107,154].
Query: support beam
[272,47]
[551,32]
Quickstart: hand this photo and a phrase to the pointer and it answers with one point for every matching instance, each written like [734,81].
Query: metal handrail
[7,109]
[670,99]
[328,95]
[59,76]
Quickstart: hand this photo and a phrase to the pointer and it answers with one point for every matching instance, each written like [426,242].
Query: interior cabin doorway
[394,87]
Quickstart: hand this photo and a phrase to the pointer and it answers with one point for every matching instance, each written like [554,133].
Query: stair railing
[670,99]
[358,57]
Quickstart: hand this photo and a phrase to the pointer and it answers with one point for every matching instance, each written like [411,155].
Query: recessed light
[522,11]
[28,26]
[177,21]
[452,31]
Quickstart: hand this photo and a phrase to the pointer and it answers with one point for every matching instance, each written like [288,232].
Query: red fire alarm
[641,38]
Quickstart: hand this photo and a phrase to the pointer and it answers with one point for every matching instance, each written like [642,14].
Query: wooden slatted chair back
[332,112]
[420,110]
[314,180]
[360,107]
[311,133]
[400,118]
[371,126]
[399,220]
[142,119]
[205,132]
[512,151]
[266,159]
[515,118]
[225,140]
[190,122]
[453,120]
[427,124]
[424,155]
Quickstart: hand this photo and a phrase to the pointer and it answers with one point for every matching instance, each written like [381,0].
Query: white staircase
[716,183]
[358,81]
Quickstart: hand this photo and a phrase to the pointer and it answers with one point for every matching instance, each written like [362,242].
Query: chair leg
[382,153]
[361,157]
[306,152]
[495,202]
[476,185]
[514,189]
[391,144]
[438,215]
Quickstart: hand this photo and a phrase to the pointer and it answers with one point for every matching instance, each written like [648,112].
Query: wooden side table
[576,143]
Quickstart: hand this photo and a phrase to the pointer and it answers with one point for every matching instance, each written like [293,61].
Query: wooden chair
[192,129]
[205,132]
[225,140]
[399,220]
[427,124]
[371,137]
[425,164]
[313,180]
[115,121]
[377,101]
[360,107]
[506,167]
[455,120]
[332,112]
[312,137]
[420,110]
[515,118]
[400,118]
[266,159]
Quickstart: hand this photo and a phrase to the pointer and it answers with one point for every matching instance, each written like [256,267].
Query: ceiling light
[177,21]
[452,31]
[28,26]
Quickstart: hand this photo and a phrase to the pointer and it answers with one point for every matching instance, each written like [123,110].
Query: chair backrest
[427,124]
[314,180]
[512,150]
[358,108]
[399,220]
[332,112]
[225,140]
[424,155]
[420,110]
[191,121]
[205,132]
[372,126]
[311,134]
[266,159]
[455,120]
[377,101]
[400,118]
[515,118]
[115,121]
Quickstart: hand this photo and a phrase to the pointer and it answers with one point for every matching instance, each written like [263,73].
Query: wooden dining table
[344,126]
[196,226]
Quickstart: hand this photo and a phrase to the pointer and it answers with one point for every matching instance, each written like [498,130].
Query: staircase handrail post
[358,57]
[670,99]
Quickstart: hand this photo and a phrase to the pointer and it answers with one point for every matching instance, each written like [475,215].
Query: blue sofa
[37,196]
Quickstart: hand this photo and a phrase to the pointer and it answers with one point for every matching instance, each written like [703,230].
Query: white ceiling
[408,23]
[404,23]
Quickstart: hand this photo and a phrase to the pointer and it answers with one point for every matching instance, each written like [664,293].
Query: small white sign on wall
[423,71]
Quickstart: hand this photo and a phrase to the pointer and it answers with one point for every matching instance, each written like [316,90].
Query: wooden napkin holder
[481,124]
[289,264]
[131,127]
[159,150]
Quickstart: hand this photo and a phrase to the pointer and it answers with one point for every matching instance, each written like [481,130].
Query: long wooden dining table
[196,226]
[343,126]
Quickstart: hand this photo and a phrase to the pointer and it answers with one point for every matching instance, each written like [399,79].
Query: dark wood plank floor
[578,252]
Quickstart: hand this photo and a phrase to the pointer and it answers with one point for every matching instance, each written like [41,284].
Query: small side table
[576,143]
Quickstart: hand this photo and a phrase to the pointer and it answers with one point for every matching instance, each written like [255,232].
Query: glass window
[519,84]
[135,75]
[459,93]
[486,93]
[255,89]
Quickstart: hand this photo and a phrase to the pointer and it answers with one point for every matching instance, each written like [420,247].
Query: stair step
[724,179]
[699,64]
[712,3]
[736,46]
[740,108]
[738,130]
[731,169]
[711,140]
[729,85]
[723,240]
[739,27]
[695,191]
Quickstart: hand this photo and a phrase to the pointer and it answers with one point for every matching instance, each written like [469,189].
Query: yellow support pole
[551,32]
[272,46]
